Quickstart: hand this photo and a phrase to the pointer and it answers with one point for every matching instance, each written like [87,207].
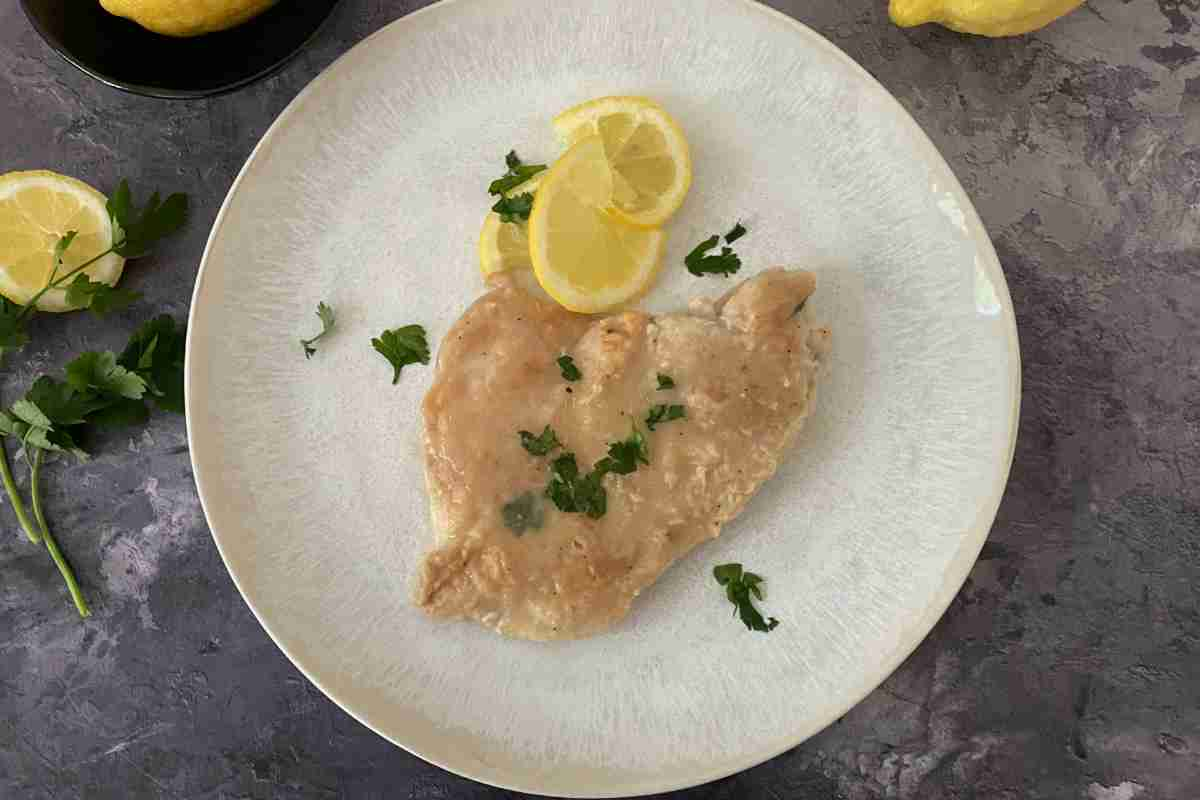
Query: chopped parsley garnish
[664,413]
[665,382]
[325,314]
[573,493]
[585,494]
[539,445]
[700,262]
[401,347]
[739,586]
[516,174]
[624,456]
[515,208]
[523,514]
[570,372]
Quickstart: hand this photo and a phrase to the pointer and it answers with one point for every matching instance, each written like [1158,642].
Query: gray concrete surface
[1066,668]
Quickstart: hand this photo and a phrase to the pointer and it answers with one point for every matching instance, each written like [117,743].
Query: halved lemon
[584,256]
[36,209]
[646,148]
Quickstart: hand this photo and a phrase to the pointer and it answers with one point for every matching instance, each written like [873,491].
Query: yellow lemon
[584,256]
[187,17]
[36,210]
[647,153]
[983,17]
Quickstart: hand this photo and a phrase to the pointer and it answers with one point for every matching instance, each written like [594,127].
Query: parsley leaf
[515,208]
[738,231]
[665,382]
[539,445]
[624,456]
[155,352]
[100,373]
[325,314]
[523,513]
[575,494]
[664,413]
[516,174]
[739,585]
[140,231]
[570,372]
[97,297]
[699,263]
[401,347]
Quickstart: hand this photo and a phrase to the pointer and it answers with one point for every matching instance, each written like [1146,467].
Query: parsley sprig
[516,174]
[700,262]
[739,585]
[584,493]
[98,390]
[328,321]
[539,445]
[516,208]
[401,347]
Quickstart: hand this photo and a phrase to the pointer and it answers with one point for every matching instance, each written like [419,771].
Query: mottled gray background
[1066,668]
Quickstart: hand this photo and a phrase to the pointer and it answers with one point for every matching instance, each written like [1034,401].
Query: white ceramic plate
[368,193]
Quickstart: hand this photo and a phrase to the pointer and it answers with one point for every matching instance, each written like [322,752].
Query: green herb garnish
[99,389]
[575,493]
[570,372]
[516,174]
[539,445]
[401,347]
[585,494]
[515,208]
[624,456]
[699,263]
[665,382]
[523,514]
[664,413]
[739,586]
[325,314]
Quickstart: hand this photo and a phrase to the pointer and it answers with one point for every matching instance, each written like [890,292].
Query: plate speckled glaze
[368,193]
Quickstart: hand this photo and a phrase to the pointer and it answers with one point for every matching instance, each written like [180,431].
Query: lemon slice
[646,148]
[583,255]
[38,208]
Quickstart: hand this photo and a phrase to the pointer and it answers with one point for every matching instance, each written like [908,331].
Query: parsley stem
[63,567]
[53,283]
[14,497]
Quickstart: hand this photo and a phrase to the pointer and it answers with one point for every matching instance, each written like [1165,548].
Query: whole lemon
[186,17]
[983,17]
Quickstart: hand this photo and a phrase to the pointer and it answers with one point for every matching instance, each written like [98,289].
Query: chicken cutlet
[725,387]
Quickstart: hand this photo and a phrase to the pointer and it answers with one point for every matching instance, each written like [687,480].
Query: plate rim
[917,629]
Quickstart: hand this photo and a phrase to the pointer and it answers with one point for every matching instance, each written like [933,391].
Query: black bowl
[125,55]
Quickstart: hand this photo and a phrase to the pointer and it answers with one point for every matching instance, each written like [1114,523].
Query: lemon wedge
[646,150]
[36,210]
[982,17]
[584,256]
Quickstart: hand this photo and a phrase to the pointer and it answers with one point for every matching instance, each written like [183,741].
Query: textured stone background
[1069,665]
